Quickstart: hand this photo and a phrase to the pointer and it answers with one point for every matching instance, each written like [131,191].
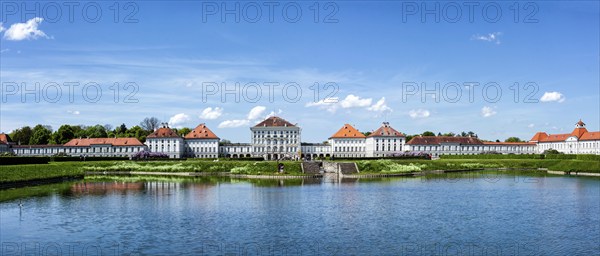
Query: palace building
[579,141]
[276,139]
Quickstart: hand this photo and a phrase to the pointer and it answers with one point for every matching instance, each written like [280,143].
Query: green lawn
[13,173]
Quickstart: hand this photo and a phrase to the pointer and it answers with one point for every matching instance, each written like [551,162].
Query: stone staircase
[348,168]
[311,167]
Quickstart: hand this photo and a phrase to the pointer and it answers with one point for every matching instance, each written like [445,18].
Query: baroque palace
[275,138]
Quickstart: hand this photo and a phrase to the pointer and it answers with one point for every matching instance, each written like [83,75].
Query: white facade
[315,150]
[202,148]
[275,138]
[237,150]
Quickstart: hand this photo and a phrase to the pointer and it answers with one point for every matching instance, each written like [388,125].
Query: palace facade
[275,138]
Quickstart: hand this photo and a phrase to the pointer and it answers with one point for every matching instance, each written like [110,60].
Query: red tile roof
[4,138]
[38,146]
[509,143]
[437,140]
[163,132]
[100,141]
[590,136]
[386,131]
[347,131]
[557,137]
[577,132]
[201,132]
[539,136]
[274,121]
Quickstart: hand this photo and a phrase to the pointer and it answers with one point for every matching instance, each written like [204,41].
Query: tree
[121,130]
[22,136]
[64,134]
[150,123]
[96,131]
[366,133]
[40,135]
[513,139]
[428,133]
[183,131]
[138,133]
[108,127]
[439,134]
[449,134]
[463,134]
[224,141]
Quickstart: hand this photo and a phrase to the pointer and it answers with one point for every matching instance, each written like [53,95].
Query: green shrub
[588,157]
[560,156]
[493,156]
[14,160]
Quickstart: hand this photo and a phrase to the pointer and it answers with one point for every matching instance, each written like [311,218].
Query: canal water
[479,213]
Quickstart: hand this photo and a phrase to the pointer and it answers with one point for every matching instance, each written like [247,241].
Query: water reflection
[485,212]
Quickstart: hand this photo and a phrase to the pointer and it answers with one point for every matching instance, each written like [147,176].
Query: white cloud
[1,27]
[492,37]
[256,112]
[487,111]
[380,106]
[27,30]
[74,112]
[419,113]
[352,101]
[179,120]
[531,125]
[552,96]
[329,104]
[233,123]
[4,50]
[332,104]
[211,113]
[273,113]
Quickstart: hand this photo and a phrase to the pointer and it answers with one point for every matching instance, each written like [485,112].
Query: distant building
[106,147]
[4,143]
[348,142]
[201,143]
[384,141]
[275,138]
[89,147]
[166,140]
[449,145]
[579,141]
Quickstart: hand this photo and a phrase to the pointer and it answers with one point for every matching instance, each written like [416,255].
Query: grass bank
[31,172]
[407,166]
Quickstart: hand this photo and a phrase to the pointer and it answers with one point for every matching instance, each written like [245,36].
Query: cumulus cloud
[1,27]
[352,101]
[332,104]
[419,113]
[28,30]
[256,112]
[491,37]
[273,113]
[233,123]
[531,125]
[380,106]
[211,113]
[74,112]
[552,96]
[487,111]
[329,104]
[179,120]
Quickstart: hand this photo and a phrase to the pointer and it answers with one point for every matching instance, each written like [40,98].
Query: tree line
[44,134]
[451,134]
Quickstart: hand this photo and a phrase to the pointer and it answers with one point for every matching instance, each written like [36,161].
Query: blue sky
[376,57]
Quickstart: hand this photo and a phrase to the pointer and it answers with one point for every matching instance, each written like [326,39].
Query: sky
[498,69]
